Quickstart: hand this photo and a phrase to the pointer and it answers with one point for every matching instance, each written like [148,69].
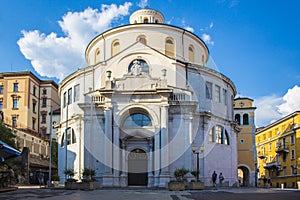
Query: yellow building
[244,116]
[25,103]
[278,151]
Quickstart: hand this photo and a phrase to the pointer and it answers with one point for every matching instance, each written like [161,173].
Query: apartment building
[25,104]
[278,151]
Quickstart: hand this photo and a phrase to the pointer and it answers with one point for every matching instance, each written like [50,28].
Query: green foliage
[7,136]
[55,178]
[70,173]
[194,173]
[88,174]
[179,173]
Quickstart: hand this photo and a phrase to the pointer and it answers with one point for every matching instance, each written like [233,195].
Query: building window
[115,47]
[44,91]
[217,94]
[65,99]
[191,53]
[33,123]
[270,146]
[97,56]
[15,103]
[76,93]
[225,97]
[137,119]
[146,20]
[44,118]
[292,139]
[14,121]
[16,87]
[44,102]
[69,96]
[237,118]
[1,89]
[212,135]
[142,39]
[71,137]
[1,105]
[292,154]
[208,90]
[138,66]
[34,91]
[44,131]
[245,119]
[33,106]
[169,47]
[219,134]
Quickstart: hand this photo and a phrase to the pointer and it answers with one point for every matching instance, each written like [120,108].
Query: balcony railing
[281,149]
[261,156]
[272,164]
[180,97]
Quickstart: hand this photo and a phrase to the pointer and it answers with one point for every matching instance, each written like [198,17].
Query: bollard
[282,186]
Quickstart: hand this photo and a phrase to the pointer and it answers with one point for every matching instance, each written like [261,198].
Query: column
[116,157]
[108,177]
[188,142]
[156,157]
[165,173]
[150,164]
[123,181]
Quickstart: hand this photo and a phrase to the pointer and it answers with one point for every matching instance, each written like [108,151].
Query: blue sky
[255,43]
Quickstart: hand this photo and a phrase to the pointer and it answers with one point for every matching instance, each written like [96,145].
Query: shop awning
[7,152]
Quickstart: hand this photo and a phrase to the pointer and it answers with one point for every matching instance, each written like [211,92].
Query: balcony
[261,155]
[281,149]
[274,164]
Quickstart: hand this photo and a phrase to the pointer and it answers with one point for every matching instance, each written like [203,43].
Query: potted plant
[55,180]
[88,180]
[196,184]
[179,183]
[70,182]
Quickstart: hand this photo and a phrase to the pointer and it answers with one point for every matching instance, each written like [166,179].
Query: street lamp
[194,149]
[50,160]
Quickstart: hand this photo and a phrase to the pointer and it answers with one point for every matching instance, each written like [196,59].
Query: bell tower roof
[146,15]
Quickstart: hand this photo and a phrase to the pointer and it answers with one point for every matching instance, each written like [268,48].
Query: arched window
[135,22]
[237,118]
[97,56]
[219,134]
[191,53]
[226,138]
[169,47]
[137,120]
[138,66]
[115,47]
[71,137]
[146,20]
[245,119]
[212,135]
[142,39]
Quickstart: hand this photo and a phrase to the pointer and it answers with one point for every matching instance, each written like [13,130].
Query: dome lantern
[146,15]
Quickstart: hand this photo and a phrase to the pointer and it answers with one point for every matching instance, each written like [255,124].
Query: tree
[7,136]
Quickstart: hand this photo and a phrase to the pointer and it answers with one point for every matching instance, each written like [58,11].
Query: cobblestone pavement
[115,194]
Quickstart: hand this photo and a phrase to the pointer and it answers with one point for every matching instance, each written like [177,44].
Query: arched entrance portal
[137,168]
[243,175]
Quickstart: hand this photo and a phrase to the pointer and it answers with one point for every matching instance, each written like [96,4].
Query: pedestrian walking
[214,178]
[41,178]
[221,178]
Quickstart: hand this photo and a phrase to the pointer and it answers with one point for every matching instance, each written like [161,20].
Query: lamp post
[50,159]
[194,149]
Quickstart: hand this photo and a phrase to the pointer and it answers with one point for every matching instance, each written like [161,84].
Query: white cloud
[207,39]
[189,29]
[143,4]
[55,56]
[291,101]
[272,108]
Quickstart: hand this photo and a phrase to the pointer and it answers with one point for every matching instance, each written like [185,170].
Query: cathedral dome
[146,15]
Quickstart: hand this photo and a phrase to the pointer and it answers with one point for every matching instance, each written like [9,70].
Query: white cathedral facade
[144,100]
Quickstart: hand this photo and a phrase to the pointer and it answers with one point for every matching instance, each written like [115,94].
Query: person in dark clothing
[214,178]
